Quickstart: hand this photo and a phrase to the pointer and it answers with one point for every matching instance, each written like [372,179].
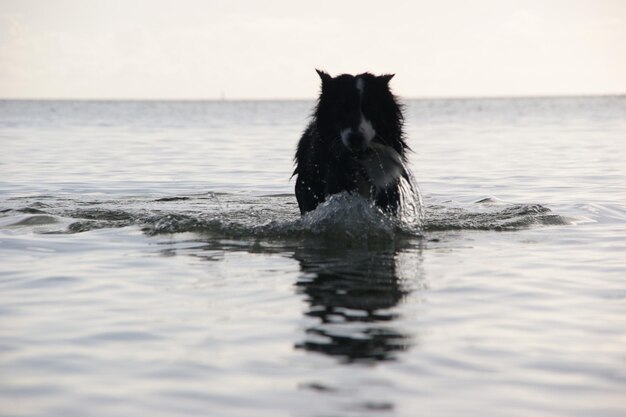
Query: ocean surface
[153,262]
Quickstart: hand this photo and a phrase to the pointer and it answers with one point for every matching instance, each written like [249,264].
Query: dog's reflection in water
[353,293]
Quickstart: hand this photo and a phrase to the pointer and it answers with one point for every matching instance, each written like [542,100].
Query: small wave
[31,210]
[496,217]
[26,221]
[172,199]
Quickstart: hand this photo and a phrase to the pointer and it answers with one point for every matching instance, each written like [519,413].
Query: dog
[354,142]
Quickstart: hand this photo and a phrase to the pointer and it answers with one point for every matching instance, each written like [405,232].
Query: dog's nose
[356,142]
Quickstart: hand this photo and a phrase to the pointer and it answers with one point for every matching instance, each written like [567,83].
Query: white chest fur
[383,165]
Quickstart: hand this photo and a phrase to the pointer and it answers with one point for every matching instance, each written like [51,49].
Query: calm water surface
[153,262]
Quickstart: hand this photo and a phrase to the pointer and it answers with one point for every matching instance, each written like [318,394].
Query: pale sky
[207,49]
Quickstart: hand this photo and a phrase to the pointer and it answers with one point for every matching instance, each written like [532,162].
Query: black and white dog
[353,143]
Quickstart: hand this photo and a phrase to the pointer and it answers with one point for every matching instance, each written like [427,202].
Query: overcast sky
[205,49]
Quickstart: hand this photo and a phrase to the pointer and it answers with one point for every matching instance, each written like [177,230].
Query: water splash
[348,214]
[411,214]
[343,215]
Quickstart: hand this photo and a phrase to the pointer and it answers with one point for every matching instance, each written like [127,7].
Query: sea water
[153,262]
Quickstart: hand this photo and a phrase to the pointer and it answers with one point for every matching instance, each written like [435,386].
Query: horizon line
[251,99]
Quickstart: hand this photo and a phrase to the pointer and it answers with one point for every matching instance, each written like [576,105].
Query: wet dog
[354,142]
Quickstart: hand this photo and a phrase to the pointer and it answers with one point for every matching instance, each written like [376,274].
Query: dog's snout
[355,141]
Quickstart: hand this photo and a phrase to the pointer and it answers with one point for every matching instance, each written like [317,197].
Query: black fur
[325,165]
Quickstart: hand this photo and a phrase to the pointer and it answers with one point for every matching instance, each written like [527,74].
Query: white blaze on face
[360,85]
[365,127]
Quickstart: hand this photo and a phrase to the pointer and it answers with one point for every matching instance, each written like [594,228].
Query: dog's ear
[324,76]
[387,77]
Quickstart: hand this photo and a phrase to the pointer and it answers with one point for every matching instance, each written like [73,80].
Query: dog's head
[358,109]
